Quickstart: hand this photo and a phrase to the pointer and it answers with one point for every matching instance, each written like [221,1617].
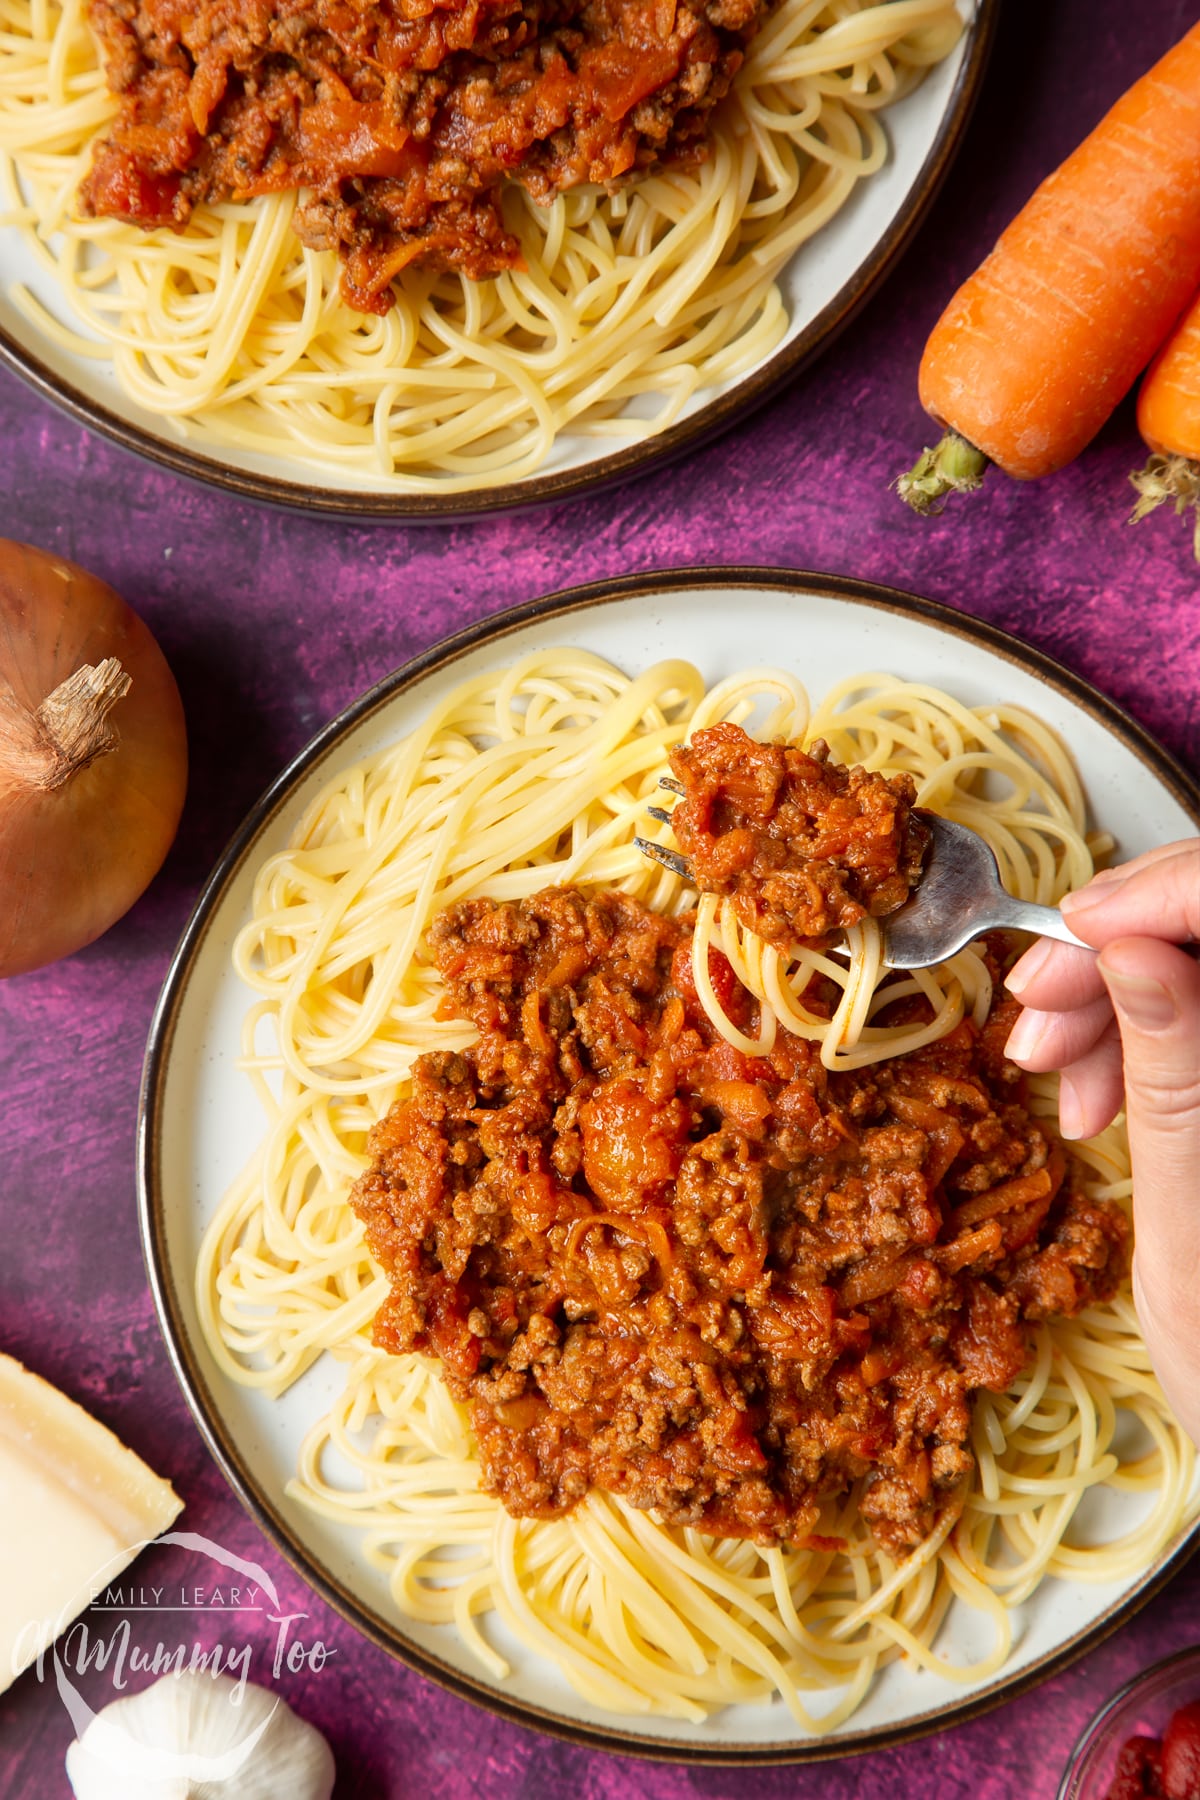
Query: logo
[256,1637]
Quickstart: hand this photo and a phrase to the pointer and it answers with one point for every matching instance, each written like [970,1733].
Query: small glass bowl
[1142,1707]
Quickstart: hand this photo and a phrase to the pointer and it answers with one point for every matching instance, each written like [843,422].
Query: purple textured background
[272,623]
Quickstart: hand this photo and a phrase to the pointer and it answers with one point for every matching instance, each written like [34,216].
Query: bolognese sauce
[801,846]
[401,119]
[725,1288]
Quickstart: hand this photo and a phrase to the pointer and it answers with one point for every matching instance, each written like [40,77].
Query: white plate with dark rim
[199,1121]
[824,285]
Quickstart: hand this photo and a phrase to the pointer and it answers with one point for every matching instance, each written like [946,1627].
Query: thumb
[1155,991]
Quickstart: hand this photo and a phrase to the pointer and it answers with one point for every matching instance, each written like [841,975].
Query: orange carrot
[1039,345]
[1169,420]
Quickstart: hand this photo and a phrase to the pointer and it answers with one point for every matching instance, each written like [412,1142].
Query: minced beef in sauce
[403,118]
[724,1288]
[800,846]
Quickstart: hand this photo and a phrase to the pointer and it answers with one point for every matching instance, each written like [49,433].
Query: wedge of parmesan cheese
[75,1508]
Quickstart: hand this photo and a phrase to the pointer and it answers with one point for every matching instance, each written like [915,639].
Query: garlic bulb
[202,1736]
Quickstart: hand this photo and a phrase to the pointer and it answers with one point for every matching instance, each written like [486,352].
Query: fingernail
[1147,1003]
[1031,964]
[1024,1036]
[1070,1108]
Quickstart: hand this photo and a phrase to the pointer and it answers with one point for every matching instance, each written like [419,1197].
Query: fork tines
[670,859]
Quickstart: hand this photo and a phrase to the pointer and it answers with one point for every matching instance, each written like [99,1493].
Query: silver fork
[959,897]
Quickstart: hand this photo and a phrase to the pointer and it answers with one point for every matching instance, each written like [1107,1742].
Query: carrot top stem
[952,467]
[1172,478]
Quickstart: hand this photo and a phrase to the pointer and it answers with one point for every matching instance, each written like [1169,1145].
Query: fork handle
[1044,921]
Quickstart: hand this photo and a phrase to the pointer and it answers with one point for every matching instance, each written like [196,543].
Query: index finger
[1147,860]
[1159,898]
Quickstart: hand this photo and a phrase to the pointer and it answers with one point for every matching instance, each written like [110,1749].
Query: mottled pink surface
[272,623]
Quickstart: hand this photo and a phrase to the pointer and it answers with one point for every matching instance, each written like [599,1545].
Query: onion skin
[76,855]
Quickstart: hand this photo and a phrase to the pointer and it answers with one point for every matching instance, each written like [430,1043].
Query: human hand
[1126,1026]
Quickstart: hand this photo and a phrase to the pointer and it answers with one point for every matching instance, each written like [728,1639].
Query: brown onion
[89,803]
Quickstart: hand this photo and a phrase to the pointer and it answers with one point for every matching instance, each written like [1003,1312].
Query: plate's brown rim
[607,471]
[266,1514]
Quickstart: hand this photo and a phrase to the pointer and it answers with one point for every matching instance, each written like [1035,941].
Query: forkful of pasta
[805,848]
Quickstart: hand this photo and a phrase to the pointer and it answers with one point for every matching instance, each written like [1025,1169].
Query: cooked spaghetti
[628,302]
[540,776]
